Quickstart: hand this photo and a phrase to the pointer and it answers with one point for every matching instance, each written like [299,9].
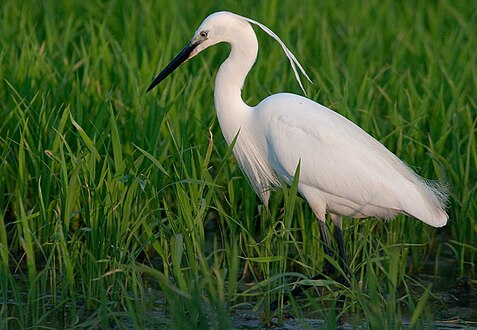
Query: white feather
[344,171]
[288,53]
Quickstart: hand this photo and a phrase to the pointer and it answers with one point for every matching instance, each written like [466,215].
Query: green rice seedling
[123,210]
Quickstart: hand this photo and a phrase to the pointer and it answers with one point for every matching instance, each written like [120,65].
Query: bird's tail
[428,202]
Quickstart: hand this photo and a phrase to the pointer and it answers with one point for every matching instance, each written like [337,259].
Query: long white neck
[231,109]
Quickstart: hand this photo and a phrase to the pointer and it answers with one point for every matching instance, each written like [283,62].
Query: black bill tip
[178,60]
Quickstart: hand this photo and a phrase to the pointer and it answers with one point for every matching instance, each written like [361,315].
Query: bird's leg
[327,268]
[341,246]
[342,251]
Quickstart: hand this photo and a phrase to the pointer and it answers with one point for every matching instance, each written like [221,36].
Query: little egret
[343,170]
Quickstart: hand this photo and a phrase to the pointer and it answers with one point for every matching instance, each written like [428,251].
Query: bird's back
[352,172]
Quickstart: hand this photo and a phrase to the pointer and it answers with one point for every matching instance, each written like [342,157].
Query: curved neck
[231,109]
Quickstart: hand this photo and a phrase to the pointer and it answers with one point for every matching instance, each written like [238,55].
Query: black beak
[178,60]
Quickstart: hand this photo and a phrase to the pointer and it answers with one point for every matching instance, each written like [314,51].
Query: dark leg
[344,266]
[327,268]
[342,251]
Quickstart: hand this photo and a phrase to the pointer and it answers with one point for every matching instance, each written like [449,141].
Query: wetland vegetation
[121,209]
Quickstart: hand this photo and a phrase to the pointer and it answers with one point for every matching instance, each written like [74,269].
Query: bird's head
[224,27]
[218,27]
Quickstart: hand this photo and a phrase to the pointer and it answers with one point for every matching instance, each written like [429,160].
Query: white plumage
[343,170]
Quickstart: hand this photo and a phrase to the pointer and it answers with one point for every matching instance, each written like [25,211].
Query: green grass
[123,209]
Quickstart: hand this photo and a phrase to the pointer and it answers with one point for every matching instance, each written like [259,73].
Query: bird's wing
[337,157]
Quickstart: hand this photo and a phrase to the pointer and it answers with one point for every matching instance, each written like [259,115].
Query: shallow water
[455,306]
[453,299]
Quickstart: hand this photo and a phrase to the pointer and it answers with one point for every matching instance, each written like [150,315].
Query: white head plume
[293,61]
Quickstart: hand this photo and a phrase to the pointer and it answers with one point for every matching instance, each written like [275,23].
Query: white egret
[343,170]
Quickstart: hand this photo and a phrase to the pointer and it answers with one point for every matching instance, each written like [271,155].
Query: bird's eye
[203,34]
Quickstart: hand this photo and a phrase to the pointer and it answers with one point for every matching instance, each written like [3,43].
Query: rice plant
[128,210]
